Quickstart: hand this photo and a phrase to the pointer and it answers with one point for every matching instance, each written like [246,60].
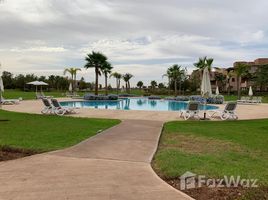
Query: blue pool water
[133,104]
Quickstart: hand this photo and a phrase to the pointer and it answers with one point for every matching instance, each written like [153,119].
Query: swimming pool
[133,104]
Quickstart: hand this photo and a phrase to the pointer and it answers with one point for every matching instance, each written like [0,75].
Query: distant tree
[240,70]
[168,75]
[97,61]
[42,78]
[106,70]
[19,81]
[72,71]
[118,78]
[220,80]
[82,84]
[153,84]
[261,77]
[161,85]
[110,87]
[140,84]
[51,81]
[7,80]
[126,78]
[229,75]
[203,63]
[176,74]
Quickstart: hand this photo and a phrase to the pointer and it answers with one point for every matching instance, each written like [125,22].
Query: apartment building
[226,79]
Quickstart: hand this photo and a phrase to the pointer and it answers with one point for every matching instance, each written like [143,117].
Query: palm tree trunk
[168,86]
[74,82]
[106,88]
[180,88]
[175,87]
[228,88]
[96,81]
[128,87]
[238,87]
[72,77]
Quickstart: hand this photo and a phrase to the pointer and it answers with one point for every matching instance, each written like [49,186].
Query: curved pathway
[113,165]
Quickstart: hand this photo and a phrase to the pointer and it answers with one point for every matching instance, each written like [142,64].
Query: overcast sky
[140,37]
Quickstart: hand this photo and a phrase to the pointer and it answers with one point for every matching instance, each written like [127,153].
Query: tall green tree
[153,85]
[7,80]
[106,70]
[140,84]
[168,75]
[73,72]
[230,74]
[203,63]
[161,85]
[126,78]
[97,61]
[176,74]
[82,84]
[220,80]
[240,70]
[118,78]
[261,77]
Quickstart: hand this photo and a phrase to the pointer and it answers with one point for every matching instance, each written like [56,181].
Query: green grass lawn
[14,94]
[46,133]
[214,149]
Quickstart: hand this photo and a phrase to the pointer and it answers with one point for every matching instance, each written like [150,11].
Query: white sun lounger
[228,112]
[61,110]
[192,110]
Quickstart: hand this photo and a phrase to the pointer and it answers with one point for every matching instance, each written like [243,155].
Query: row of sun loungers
[192,111]
[53,107]
[42,96]
[248,100]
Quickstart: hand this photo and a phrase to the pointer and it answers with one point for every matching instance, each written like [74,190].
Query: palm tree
[220,80]
[126,78]
[140,84]
[98,61]
[72,71]
[240,70]
[153,84]
[107,69]
[176,75]
[203,63]
[229,75]
[118,77]
[168,75]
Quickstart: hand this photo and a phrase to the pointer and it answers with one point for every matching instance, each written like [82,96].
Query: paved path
[114,165]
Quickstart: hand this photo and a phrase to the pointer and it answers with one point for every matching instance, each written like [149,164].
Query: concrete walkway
[114,165]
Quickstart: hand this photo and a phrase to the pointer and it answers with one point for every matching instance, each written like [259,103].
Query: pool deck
[258,111]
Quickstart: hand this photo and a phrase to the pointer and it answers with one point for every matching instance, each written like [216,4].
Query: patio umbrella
[250,92]
[37,83]
[217,91]
[206,88]
[70,87]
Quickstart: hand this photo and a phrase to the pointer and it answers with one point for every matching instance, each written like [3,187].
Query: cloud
[140,37]
[40,49]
